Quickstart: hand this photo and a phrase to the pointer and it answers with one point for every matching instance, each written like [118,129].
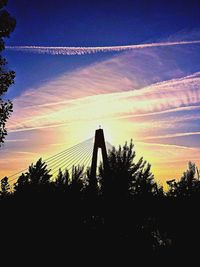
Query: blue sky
[98,23]
[150,94]
[89,23]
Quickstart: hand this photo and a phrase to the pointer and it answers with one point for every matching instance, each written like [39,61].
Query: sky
[150,93]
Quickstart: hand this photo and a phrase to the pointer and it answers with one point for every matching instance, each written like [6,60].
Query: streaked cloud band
[70,51]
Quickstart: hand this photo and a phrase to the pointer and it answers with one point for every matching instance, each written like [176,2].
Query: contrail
[69,51]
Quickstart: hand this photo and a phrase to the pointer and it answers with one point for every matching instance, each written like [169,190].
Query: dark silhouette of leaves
[7,25]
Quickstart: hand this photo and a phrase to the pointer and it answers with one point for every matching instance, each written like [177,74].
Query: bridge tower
[99,142]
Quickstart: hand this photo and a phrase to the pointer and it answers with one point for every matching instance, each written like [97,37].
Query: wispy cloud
[175,94]
[139,94]
[16,140]
[69,51]
[171,135]
[166,145]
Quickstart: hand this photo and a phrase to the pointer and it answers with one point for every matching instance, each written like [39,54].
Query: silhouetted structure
[99,142]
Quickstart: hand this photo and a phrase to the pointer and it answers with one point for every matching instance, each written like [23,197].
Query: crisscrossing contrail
[68,51]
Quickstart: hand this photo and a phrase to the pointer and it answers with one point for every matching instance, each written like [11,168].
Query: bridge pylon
[99,142]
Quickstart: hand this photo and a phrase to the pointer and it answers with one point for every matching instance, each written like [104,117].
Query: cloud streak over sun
[69,51]
[70,102]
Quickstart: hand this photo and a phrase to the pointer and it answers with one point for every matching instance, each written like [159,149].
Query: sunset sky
[150,94]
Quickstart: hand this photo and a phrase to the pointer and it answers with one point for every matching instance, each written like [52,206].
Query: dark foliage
[7,25]
[127,216]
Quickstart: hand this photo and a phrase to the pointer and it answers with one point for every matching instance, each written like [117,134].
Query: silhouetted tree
[5,187]
[126,178]
[21,184]
[36,178]
[7,25]
[143,182]
[121,169]
[189,184]
[76,183]
[38,173]
[62,181]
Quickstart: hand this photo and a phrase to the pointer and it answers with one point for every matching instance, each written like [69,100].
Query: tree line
[126,205]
